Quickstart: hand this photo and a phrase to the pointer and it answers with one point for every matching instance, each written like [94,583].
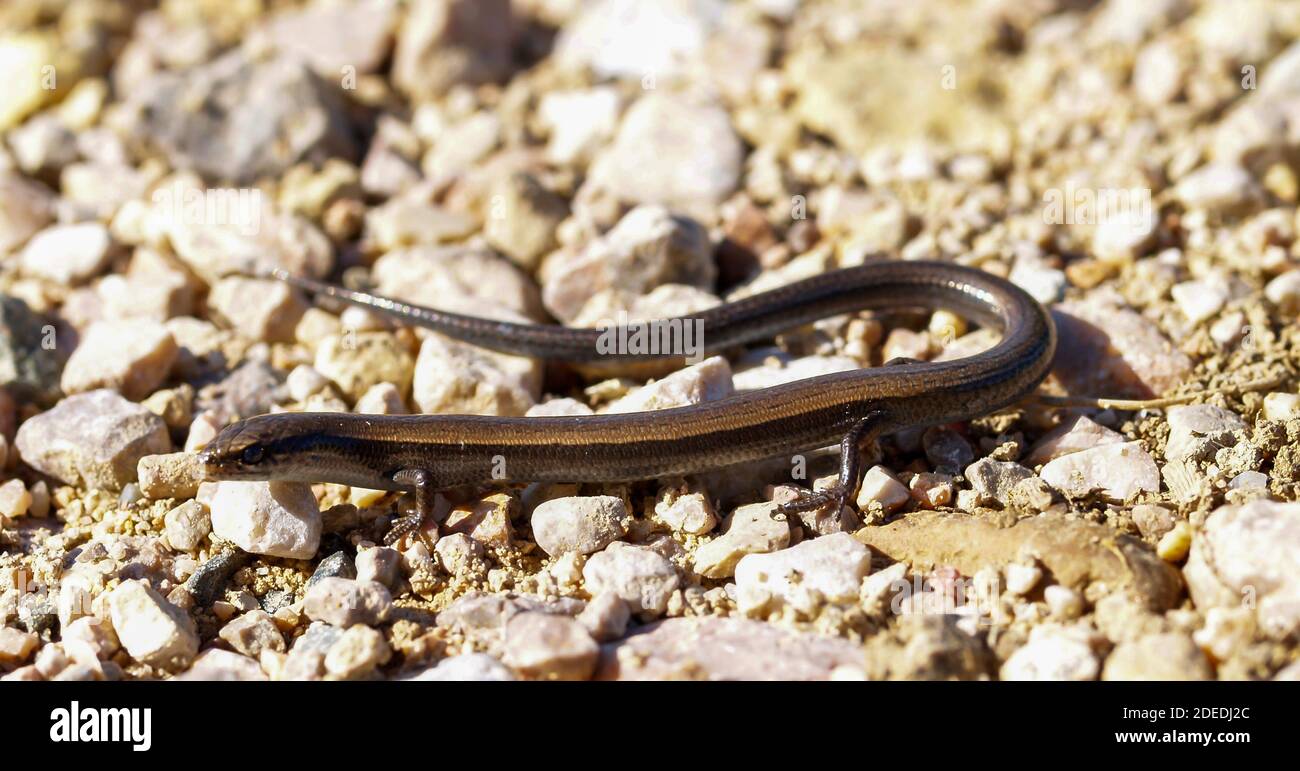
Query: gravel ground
[1132,165]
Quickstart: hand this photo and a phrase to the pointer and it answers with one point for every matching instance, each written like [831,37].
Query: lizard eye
[253,454]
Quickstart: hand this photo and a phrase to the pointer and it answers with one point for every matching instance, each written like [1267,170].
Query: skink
[425,453]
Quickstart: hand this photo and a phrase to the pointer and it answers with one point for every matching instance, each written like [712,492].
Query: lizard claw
[402,526]
[813,500]
[405,525]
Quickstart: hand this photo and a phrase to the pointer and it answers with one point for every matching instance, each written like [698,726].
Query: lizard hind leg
[845,488]
[422,482]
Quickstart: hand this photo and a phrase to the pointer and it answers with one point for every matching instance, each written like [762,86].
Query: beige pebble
[382,399]
[880,486]
[1175,544]
[173,475]
[1281,406]
[549,647]
[15,500]
[130,356]
[203,430]
[16,646]
[187,525]
[259,309]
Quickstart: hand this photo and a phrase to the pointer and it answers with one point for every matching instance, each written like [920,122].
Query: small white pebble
[14,499]
[906,344]
[1201,299]
[1281,406]
[1063,602]
[1249,480]
[946,326]
[882,487]
[931,490]
[378,563]
[305,381]
[382,399]
[361,320]
[203,430]
[1021,579]
[40,505]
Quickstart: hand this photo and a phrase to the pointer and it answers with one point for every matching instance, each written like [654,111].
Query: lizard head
[250,450]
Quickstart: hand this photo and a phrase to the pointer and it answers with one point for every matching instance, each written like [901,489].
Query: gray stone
[446,42]
[278,599]
[25,208]
[550,647]
[253,632]
[332,37]
[750,529]
[946,448]
[306,659]
[30,359]
[713,648]
[92,440]
[337,565]
[477,667]
[661,137]
[209,581]
[1248,553]
[187,525]
[260,117]
[579,524]
[38,613]
[825,569]
[643,578]
[342,602]
[649,246]
[993,480]
[151,629]
[606,616]
[1157,657]
[249,390]
[216,665]
[281,519]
